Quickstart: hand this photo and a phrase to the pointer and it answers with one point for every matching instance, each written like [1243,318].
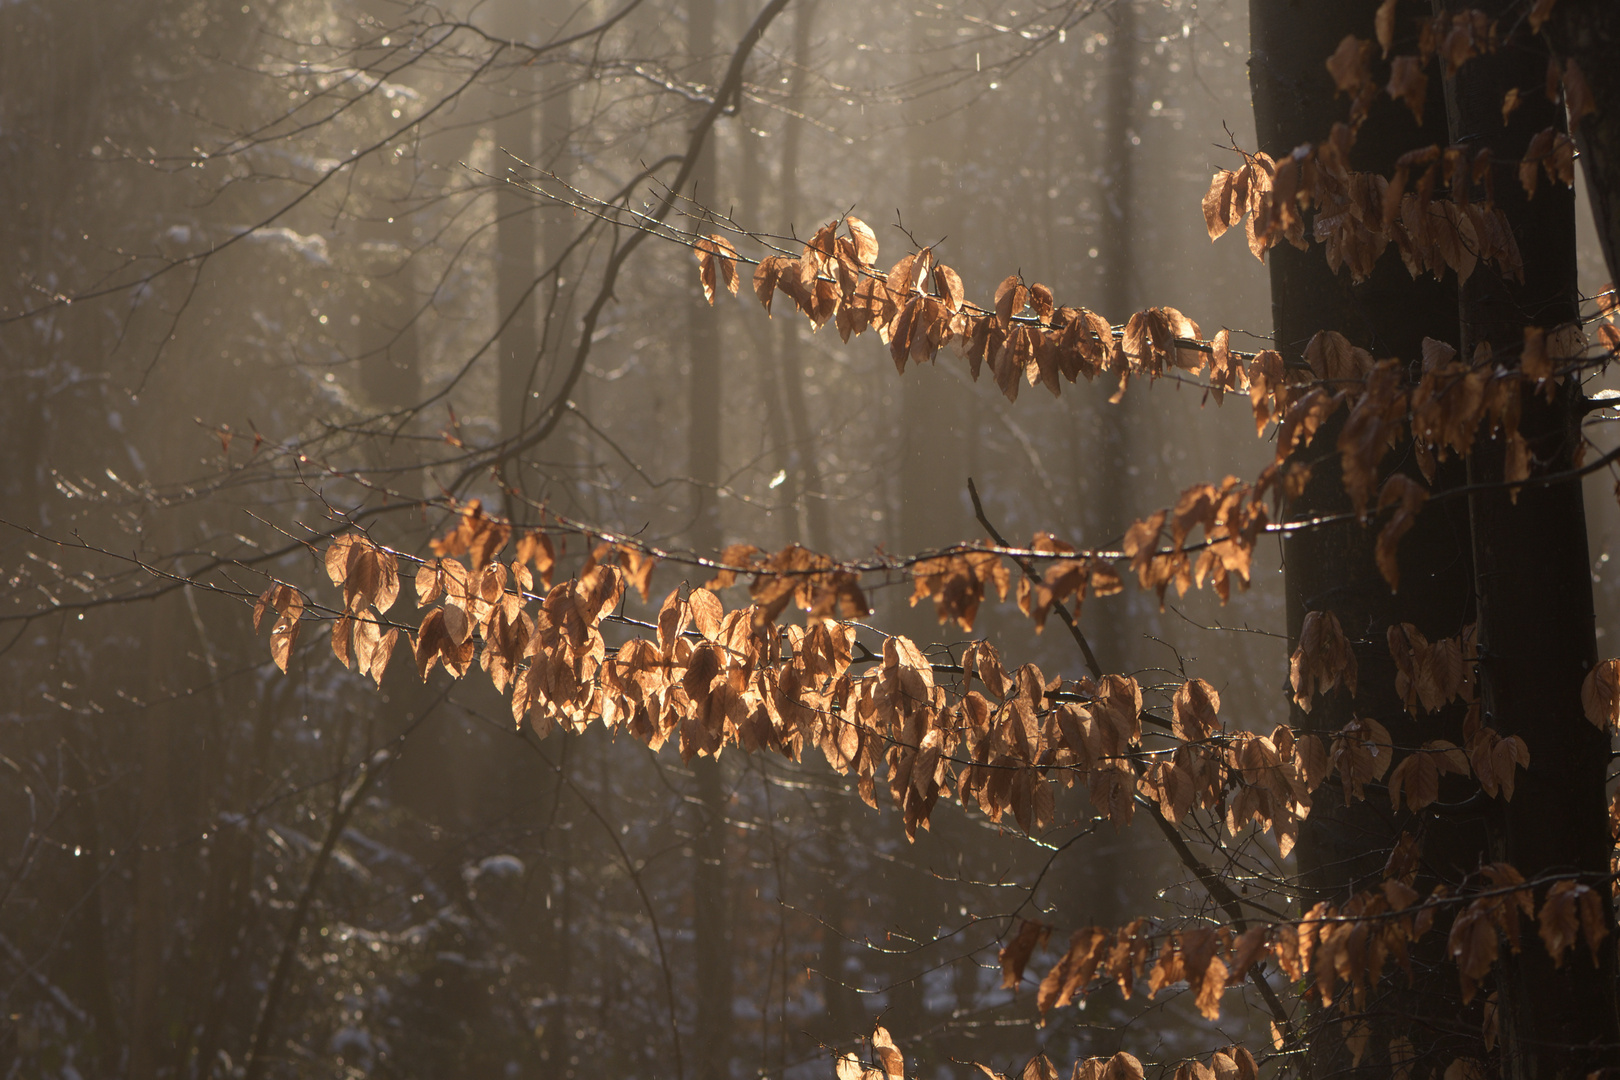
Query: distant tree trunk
[557,156]
[704,413]
[806,465]
[1344,847]
[1111,431]
[1118,240]
[515,238]
[233,910]
[390,372]
[1533,578]
[845,1018]
[149,998]
[1118,296]
[931,480]
[761,343]
[711,930]
[90,978]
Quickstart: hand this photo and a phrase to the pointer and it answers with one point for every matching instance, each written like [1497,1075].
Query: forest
[706,539]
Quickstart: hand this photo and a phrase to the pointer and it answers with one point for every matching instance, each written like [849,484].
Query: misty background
[269,266]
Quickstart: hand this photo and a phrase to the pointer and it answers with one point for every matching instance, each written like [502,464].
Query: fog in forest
[275,270]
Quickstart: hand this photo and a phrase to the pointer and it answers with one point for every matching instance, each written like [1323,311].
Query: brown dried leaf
[1408,497]
[1040,298]
[1332,357]
[1015,954]
[1384,26]
[767,276]
[1409,83]
[888,1054]
[1122,1066]
[1537,154]
[1322,660]
[1219,204]
[283,639]
[1073,973]
[1348,64]
[948,284]
[1195,706]
[866,244]
[715,252]
[1510,104]
[1012,296]
[1600,695]
[1560,920]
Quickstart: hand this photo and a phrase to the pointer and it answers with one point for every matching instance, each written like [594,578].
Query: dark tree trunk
[1344,847]
[1536,629]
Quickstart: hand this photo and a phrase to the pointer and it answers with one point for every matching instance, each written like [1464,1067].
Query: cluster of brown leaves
[709,677]
[1231,1063]
[717,261]
[1432,673]
[1450,407]
[1358,215]
[1275,777]
[370,578]
[1455,38]
[1206,959]
[1322,661]
[956,584]
[288,604]
[1243,195]
[1065,581]
[1427,675]
[1160,548]
[1342,950]
[919,306]
[1551,152]
[890,1064]
[1609,309]
[1232,516]
[793,575]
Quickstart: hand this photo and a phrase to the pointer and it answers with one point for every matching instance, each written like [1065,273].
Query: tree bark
[1343,847]
[1533,579]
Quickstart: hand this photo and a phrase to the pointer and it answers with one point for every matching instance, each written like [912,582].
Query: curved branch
[556,408]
